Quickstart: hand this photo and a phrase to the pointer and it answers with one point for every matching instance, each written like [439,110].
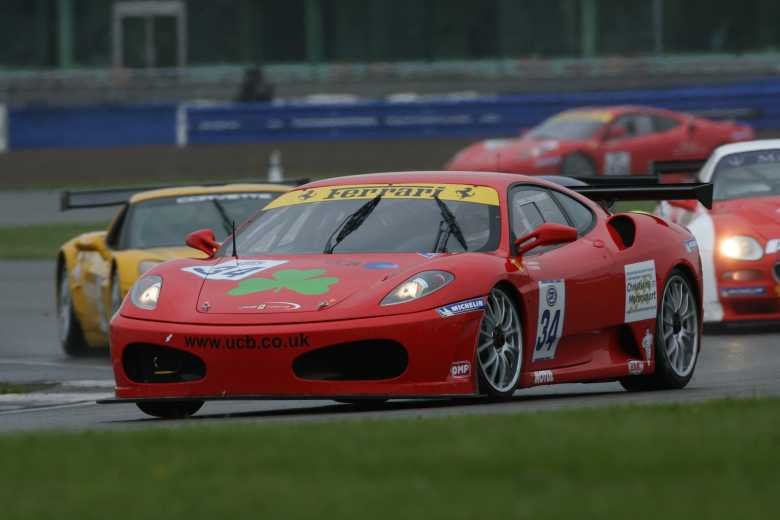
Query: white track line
[24,362]
[89,383]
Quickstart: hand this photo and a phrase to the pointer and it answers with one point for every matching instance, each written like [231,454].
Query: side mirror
[687,205]
[203,240]
[616,132]
[95,242]
[545,235]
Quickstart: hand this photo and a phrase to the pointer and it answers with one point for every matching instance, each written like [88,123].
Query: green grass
[13,388]
[41,241]
[712,460]
[643,205]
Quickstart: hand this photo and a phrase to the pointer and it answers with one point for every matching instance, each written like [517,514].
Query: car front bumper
[260,360]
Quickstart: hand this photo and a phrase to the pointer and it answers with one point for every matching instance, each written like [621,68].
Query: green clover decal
[301,281]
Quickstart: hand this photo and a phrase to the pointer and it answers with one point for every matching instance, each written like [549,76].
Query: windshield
[402,218]
[747,174]
[166,222]
[575,125]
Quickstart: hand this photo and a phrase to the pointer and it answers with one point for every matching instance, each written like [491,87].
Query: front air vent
[146,363]
[356,361]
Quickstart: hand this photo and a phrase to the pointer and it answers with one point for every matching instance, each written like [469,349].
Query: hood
[756,216]
[298,283]
[498,154]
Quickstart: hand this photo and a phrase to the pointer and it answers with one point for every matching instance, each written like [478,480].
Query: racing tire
[578,165]
[169,409]
[499,356]
[677,338]
[69,328]
[372,403]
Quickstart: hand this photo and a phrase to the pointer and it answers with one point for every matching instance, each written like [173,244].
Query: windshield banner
[456,192]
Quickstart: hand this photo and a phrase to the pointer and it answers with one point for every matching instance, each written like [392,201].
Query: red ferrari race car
[427,284]
[739,238]
[590,141]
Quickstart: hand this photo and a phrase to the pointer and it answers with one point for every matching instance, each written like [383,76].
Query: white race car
[739,238]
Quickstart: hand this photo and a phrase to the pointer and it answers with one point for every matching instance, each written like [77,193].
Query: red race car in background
[590,141]
[739,238]
[420,284]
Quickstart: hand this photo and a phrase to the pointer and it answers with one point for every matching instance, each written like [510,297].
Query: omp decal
[743,291]
[223,196]
[474,304]
[691,245]
[299,340]
[307,281]
[647,344]
[429,255]
[233,269]
[429,191]
[380,265]
[552,314]
[617,163]
[271,306]
[641,293]
[543,377]
[636,367]
[460,369]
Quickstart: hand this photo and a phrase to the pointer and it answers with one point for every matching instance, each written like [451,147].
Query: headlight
[146,292]
[419,285]
[146,265]
[741,248]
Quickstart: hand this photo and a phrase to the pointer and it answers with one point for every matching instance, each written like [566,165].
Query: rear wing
[81,199]
[609,194]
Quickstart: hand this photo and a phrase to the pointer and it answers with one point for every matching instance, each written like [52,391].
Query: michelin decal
[453,309]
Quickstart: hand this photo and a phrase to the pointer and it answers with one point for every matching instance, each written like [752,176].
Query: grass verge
[13,388]
[712,460]
[40,241]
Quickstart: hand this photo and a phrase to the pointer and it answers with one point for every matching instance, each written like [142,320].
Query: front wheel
[677,338]
[500,346]
[170,409]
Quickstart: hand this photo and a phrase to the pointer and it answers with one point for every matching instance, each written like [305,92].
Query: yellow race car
[96,269]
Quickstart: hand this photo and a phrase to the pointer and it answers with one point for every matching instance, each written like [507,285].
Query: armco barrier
[91,127]
[193,124]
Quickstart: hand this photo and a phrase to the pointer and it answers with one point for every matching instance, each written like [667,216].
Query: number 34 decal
[552,312]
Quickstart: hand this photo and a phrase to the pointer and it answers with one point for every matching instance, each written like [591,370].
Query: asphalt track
[29,207]
[741,363]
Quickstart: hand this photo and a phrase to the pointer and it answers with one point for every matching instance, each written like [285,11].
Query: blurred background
[95,92]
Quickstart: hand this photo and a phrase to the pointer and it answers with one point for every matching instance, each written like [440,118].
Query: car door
[564,281]
[631,144]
